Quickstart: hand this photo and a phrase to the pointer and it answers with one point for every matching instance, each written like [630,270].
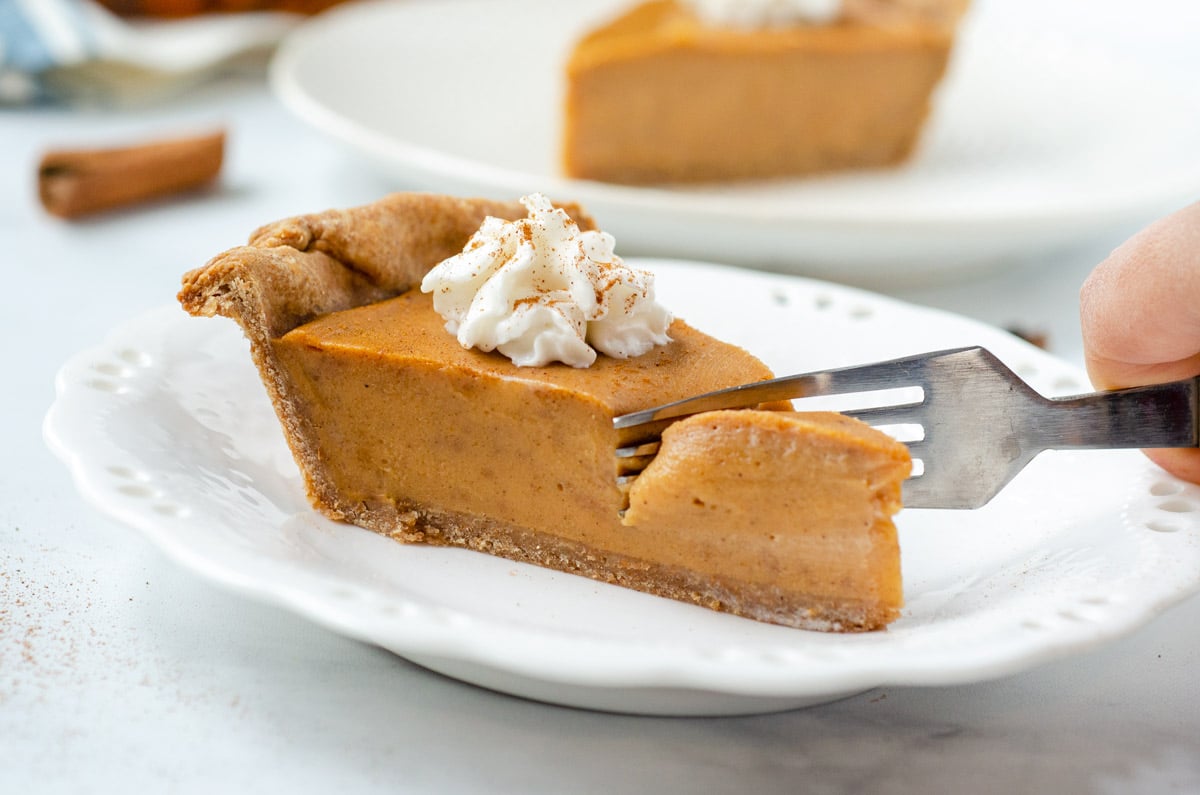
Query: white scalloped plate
[1024,155]
[165,426]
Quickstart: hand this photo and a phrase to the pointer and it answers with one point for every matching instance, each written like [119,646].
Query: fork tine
[919,448]
[637,450]
[865,378]
[903,414]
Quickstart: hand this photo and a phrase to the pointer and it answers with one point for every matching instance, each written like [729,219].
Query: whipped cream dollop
[540,290]
[765,13]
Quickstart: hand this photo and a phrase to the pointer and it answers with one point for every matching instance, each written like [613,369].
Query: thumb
[1140,308]
[1140,316]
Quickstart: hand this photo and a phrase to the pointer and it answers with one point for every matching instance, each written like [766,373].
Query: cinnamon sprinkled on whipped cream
[540,290]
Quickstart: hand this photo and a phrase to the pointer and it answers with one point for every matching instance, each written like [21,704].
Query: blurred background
[1060,128]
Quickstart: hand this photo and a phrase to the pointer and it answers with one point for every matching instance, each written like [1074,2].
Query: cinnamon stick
[77,182]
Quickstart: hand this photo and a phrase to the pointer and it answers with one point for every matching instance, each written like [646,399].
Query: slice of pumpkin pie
[446,371]
[713,90]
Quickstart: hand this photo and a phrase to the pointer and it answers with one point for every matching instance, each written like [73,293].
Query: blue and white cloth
[62,48]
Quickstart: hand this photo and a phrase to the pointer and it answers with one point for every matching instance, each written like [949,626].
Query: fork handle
[1158,415]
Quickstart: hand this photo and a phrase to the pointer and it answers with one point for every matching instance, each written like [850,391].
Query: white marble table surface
[121,672]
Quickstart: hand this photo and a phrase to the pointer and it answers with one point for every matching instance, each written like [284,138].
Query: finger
[1183,463]
[1140,308]
[1140,317]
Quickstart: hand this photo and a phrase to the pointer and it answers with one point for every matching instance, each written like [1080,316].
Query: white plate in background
[166,426]
[1038,142]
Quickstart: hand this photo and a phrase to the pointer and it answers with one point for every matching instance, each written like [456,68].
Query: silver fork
[981,423]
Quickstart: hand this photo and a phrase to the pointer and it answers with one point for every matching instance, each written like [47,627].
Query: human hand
[1140,317]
